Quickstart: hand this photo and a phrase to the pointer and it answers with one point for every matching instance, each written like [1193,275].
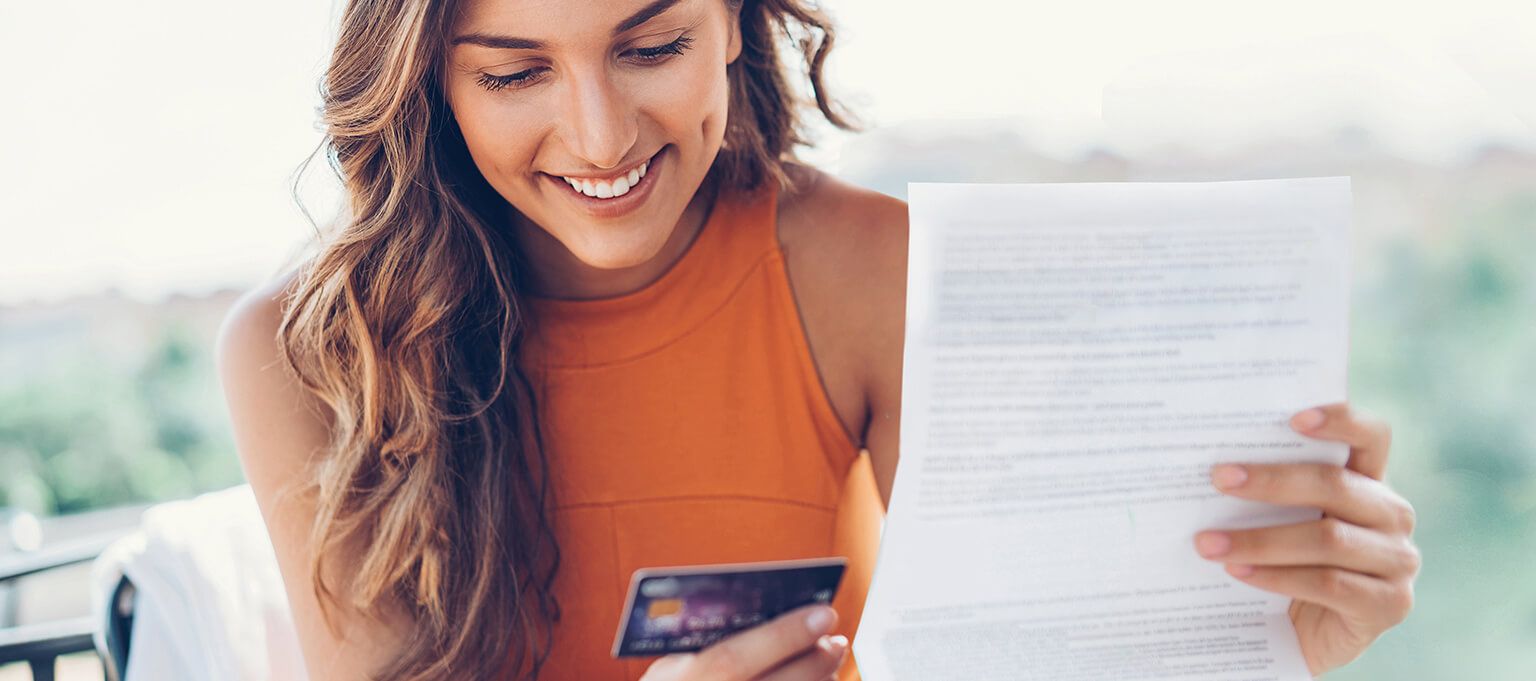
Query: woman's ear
[733,48]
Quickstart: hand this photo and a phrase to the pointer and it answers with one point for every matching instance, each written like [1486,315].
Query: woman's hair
[406,323]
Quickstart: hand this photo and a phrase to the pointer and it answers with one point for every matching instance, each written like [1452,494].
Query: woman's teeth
[604,189]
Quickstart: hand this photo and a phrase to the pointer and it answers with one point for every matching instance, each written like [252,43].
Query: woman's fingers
[1377,603]
[1369,439]
[750,653]
[1338,491]
[1328,542]
[820,662]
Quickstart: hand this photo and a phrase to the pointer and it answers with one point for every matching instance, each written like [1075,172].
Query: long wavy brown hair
[406,322]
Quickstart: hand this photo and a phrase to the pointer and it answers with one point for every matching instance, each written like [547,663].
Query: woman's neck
[555,272]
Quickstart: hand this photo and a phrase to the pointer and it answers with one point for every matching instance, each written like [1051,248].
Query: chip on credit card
[685,608]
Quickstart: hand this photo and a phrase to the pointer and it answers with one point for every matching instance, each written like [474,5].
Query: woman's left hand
[1351,573]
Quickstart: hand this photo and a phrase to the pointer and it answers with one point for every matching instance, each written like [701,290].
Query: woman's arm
[277,428]
[885,243]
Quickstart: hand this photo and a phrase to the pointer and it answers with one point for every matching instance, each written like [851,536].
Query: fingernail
[1308,419]
[1212,544]
[820,620]
[1229,475]
[833,644]
[1239,570]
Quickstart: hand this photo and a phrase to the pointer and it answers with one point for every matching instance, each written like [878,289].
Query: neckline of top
[720,204]
[739,230]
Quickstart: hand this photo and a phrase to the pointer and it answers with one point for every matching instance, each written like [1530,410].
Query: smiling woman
[503,157]
[594,98]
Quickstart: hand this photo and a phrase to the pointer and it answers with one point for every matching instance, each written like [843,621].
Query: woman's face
[548,89]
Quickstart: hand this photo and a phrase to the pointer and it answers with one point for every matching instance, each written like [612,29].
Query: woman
[586,314]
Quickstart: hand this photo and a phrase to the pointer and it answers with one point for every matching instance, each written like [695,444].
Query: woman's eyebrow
[510,43]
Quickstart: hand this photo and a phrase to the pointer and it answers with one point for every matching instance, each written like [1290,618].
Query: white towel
[210,602]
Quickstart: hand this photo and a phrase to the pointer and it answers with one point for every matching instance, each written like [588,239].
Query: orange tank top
[685,423]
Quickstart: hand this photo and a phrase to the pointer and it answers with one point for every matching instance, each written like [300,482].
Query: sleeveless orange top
[685,423]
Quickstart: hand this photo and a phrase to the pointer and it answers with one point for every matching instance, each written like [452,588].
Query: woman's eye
[660,52]
[519,79]
[527,77]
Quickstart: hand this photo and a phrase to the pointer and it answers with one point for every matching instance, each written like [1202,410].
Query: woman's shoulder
[248,333]
[854,239]
[825,206]
[846,249]
[279,428]
[260,393]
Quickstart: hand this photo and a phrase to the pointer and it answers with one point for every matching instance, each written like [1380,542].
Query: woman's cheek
[496,130]
[707,86]
[690,80]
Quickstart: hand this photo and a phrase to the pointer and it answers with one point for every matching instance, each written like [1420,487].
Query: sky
[150,146]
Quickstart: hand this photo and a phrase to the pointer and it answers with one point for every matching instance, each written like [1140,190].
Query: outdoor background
[148,149]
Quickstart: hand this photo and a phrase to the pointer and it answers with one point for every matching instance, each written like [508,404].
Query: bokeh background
[149,150]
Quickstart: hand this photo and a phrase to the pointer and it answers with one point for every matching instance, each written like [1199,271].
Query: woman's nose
[601,123]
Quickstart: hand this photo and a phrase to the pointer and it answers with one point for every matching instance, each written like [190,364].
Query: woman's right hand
[791,647]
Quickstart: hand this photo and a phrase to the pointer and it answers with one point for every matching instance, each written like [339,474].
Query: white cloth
[210,602]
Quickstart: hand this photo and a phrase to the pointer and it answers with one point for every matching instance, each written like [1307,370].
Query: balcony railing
[40,645]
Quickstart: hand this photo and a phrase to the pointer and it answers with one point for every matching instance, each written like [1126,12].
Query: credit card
[684,608]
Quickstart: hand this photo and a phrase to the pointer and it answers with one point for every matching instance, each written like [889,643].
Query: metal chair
[197,577]
[40,645]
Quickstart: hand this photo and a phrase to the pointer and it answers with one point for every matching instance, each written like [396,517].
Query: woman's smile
[622,196]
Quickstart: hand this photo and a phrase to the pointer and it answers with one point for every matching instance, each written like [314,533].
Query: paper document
[1077,357]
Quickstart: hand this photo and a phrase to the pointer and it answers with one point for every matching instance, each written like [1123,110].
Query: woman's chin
[617,253]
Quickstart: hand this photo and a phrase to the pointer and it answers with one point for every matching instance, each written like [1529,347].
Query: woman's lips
[613,186]
[618,205]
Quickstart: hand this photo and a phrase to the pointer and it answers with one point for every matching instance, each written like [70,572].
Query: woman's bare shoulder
[849,246]
[256,312]
[852,241]
[279,428]
[826,205]
[257,386]
[276,428]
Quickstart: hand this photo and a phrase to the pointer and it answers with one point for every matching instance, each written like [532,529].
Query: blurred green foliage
[93,434]
[1444,347]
